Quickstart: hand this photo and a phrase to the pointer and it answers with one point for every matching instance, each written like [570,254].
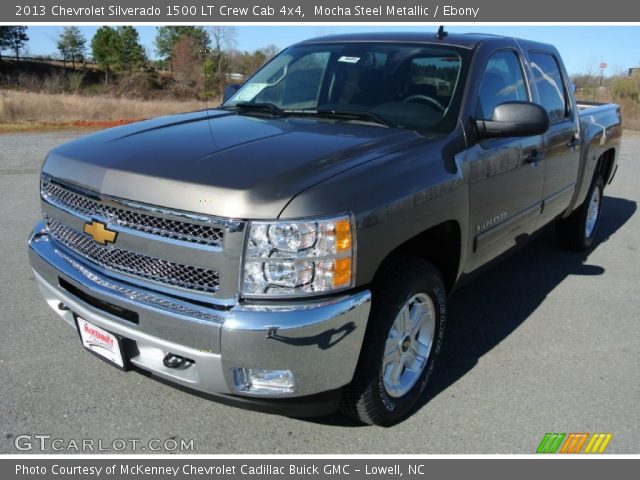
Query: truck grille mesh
[154,225]
[144,297]
[162,271]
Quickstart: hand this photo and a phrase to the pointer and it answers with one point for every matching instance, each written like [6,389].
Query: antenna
[441,33]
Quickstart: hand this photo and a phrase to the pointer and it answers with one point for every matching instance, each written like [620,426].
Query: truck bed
[593,107]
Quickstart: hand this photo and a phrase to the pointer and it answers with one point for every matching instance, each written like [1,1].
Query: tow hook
[174,361]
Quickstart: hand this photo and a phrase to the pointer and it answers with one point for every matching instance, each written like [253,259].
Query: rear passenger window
[548,79]
[503,81]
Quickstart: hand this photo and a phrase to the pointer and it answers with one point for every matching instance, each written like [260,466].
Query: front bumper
[319,341]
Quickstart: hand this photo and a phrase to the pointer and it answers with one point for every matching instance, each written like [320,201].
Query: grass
[20,111]
[630,114]
[24,111]
[629,105]
[629,109]
[34,126]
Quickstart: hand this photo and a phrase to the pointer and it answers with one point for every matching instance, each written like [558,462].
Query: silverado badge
[99,232]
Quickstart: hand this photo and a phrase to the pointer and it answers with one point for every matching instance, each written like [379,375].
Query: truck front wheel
[404,335]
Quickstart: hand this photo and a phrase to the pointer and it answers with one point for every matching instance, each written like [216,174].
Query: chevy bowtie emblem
[99,232]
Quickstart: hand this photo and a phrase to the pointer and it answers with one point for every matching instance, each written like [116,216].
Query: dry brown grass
[630,114]
[26,110]
[30,107]
[629,107]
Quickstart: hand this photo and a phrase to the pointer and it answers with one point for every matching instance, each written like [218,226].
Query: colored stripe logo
[574,443]
[598,443]
[550,442]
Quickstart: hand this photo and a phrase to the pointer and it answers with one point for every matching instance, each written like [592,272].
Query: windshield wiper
[266,107]
[355,115]
[258,107]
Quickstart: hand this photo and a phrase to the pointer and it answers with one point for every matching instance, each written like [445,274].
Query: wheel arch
[441,245]
[605,163]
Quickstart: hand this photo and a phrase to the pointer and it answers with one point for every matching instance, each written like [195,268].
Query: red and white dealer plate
[100,342]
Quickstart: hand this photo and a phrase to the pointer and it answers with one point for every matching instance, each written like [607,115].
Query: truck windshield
[399,85]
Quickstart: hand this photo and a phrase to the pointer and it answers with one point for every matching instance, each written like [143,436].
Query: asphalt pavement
[546,341]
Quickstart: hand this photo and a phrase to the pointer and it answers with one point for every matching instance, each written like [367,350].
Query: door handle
[532,157]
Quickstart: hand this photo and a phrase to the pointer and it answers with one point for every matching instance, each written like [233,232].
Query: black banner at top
[304,11]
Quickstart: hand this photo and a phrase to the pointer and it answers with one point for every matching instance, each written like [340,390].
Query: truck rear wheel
[578,230]
[405,332]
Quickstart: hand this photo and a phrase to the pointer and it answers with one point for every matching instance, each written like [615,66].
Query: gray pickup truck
[293,249]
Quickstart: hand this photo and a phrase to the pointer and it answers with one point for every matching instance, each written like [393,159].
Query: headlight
[305,257]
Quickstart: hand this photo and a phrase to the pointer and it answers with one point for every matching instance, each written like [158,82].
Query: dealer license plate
[100,342]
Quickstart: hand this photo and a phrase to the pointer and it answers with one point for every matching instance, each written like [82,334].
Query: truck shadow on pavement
[482,314]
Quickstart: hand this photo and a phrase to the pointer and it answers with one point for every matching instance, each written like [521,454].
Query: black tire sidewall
[389,407]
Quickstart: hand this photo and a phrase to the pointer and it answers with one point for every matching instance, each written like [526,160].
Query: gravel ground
[547,341]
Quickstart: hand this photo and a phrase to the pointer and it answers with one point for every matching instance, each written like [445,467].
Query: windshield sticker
[249,92]
[349,59]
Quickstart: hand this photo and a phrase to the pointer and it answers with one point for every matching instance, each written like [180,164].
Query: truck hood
[220,163]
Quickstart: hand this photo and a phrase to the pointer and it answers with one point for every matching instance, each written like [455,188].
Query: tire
[577,231]
[378,395]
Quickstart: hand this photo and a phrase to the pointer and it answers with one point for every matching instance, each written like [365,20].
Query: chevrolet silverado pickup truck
[293,249]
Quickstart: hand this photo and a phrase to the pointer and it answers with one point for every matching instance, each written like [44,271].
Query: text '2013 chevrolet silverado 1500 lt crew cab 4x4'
[293,249]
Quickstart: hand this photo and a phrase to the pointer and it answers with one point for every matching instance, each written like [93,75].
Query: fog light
[264,382]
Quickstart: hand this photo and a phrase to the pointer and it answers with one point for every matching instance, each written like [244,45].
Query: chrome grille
[145,297]
[162,271]
[154,225]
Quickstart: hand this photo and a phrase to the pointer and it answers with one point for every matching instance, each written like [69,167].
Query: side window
[548,79]
[503,81]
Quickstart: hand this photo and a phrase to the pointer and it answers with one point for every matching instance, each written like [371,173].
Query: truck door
[505,174]
[562,140]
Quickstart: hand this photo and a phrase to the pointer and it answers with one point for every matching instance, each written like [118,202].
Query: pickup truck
[293,249]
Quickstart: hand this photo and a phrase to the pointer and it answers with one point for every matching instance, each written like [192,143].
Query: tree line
[205,56]
[196,58]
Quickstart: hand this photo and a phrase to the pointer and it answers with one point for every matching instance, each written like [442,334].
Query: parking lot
[547,341]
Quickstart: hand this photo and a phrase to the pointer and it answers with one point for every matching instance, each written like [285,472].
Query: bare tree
[270,51]
[186,62]
[222,38]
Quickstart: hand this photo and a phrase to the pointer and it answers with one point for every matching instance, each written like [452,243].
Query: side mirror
[514,119]
[229,90]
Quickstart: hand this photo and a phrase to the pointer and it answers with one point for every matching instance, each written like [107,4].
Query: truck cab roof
[463,40]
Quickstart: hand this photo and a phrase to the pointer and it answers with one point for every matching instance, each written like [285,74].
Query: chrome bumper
[319,341]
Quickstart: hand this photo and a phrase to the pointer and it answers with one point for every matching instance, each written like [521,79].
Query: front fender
[393,199]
